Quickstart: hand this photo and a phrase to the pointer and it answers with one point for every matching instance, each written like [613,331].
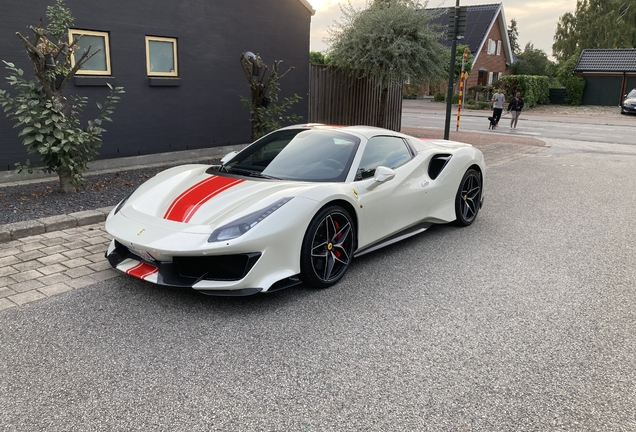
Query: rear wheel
[328,247]
[468,198]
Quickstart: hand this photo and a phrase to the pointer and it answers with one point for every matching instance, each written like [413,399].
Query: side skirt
[399,236]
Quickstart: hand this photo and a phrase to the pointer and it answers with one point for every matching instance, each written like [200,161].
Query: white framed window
[99,63]
[499,75]
[161,56]
[498,47]
[490,75]
[492,46]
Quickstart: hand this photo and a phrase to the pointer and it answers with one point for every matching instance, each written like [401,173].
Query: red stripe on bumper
[142,270]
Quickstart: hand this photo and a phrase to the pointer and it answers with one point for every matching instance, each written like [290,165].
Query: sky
[536,19]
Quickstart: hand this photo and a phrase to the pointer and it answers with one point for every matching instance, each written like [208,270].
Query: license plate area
[141,254]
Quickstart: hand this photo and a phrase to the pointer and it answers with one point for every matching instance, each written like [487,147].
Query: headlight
[241,226]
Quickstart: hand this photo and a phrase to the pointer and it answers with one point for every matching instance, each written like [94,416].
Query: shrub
[534,89]
[574,88]
[439,97]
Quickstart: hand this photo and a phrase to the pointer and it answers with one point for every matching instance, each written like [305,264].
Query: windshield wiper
[249,173]
[261,175]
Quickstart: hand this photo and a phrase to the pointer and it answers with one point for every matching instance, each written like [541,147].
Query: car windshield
[297,154]
[632,94]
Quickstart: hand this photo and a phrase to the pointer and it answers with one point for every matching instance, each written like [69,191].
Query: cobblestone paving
[44,265]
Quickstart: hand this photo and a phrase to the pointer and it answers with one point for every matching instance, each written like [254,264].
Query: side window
[99,63]
[385,151]
[161,56]
[498,47]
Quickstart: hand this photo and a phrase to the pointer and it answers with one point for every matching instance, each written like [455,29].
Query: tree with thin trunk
[50,122]
[267,113]
[390,40]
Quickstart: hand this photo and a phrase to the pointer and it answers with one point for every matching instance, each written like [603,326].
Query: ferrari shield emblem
[141,232]
[355,193]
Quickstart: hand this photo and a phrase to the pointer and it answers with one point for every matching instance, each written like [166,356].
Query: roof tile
[607,60]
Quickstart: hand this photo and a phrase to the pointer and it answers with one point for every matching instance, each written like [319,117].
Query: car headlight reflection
[241,226]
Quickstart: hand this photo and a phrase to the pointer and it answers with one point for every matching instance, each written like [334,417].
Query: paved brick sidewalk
[40,266]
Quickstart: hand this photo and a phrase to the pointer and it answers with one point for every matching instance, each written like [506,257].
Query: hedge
[534,89]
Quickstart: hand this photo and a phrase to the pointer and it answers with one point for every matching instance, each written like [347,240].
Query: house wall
[491,62]
[204,110]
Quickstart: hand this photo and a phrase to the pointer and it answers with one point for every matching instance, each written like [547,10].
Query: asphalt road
[615,130]
[523,321]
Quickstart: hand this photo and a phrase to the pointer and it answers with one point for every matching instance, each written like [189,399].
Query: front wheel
[468,198]
[328,247]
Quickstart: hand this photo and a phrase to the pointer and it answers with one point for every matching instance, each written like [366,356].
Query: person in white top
[498,101]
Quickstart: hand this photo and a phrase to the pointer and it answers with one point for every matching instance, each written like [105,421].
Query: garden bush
[534,89]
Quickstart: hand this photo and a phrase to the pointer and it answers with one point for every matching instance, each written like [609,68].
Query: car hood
[193,195]
[629,101]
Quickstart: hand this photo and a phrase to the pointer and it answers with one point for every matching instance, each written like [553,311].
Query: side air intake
[437,164]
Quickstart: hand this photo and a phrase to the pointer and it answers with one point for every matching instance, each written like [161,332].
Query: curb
[18,230]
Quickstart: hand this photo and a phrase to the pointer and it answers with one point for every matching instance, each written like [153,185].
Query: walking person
[514,107]
[497,106]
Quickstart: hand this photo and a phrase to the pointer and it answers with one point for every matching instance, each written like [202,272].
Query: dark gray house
[178,62]
[608,73]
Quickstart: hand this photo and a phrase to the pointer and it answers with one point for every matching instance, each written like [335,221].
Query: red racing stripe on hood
[142,270]
[188,202]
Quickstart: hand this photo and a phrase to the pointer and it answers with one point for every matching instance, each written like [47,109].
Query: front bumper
[193,274]
[631,109]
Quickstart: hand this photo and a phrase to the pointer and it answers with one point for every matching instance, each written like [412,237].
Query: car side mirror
[228,157]
[383,174]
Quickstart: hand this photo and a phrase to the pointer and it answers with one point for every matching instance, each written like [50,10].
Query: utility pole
[458,14]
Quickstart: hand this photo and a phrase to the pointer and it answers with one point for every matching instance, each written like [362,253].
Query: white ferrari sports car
[294,207]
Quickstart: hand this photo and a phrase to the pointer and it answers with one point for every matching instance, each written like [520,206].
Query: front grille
[221,267]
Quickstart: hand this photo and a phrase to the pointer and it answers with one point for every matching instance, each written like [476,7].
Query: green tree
[513,36]
[459,56]
[574,84]
[595,24]
[391,40]
[533,61]
[316,57]
[50,122]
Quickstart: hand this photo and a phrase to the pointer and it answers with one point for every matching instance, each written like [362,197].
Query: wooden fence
[338,97]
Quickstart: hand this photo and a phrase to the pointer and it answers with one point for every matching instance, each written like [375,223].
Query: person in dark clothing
[514,107]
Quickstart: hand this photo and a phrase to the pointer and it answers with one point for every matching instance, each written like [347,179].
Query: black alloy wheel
[468,198]
[328,247]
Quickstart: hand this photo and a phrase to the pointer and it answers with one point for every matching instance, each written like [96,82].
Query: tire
[328,247]
[468,198]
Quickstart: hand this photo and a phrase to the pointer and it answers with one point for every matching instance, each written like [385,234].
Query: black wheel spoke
[329,267]
[332,247]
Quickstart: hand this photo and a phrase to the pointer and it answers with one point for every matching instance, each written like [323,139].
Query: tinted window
[632,94]
[298,154]
[385,151]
